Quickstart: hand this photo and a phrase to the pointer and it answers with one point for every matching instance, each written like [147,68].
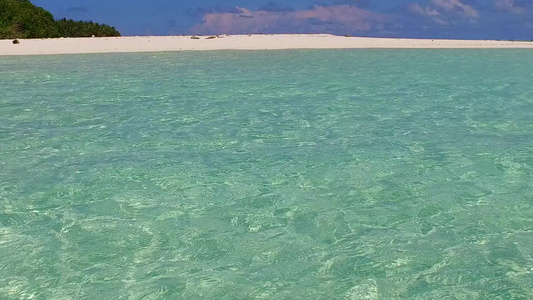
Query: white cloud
[456,6]
[445,12]
[508,6]
[427,12]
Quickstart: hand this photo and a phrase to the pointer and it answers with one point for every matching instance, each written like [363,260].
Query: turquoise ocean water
[325,174]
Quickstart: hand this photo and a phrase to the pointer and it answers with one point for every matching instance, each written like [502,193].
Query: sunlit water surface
[344,174]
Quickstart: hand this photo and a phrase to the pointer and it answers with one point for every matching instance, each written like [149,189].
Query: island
[21,19]
[30,30]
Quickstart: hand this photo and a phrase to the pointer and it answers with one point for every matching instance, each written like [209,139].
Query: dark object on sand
[16,42]
[210,37]
[194,38]
[347,35]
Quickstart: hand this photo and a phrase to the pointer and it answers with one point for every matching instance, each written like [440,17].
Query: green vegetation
[71,28]
[22,19]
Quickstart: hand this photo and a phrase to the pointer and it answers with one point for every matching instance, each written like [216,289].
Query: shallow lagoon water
[305,174]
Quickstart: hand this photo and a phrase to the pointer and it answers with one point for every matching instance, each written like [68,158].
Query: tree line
[20,19]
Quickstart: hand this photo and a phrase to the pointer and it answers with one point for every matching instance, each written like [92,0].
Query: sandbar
[237,42]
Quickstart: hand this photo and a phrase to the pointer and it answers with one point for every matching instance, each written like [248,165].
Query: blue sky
[471,19]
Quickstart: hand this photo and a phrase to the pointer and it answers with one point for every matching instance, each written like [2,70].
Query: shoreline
[130,44]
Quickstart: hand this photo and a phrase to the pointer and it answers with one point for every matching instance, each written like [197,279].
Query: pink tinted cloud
[338,18]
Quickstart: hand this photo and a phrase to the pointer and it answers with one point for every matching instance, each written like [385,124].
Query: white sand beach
[234,42]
